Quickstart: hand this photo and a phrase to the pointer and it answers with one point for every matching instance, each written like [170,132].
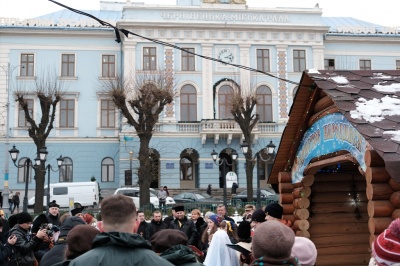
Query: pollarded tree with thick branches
[48,89]
[242,109]
[141,100]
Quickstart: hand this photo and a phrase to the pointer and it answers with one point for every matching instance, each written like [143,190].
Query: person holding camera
[6,249]
[25,244]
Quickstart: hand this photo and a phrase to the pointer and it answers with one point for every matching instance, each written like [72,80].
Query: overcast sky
[383,12]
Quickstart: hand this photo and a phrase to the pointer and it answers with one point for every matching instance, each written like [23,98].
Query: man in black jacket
[185,225]
[142,229]
[155,225]
[25,244]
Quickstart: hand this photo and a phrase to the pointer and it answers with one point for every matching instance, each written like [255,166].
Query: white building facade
[93,135]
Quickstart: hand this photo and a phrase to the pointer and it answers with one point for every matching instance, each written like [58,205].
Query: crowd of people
[124,237]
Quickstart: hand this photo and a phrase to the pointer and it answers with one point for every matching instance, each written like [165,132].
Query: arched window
[107,170]
[225,94]
[187,168]
[66,170]
[23,169]
[264,104]
[188,103]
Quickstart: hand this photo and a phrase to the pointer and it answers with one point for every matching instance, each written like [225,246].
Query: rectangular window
[365,64]
[397,64]
[149,58]
[329,64]
[188,60]
[68,65]
[299,60]
[27,65]
[60,191]
[22,122]
[67,113]
[107,113]
[263,60]
[108,66]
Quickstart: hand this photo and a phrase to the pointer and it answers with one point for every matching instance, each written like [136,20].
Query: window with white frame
[329,64]
[27,65]
[263,60]
[365,64]
[188,60]
[188,98]
[264,104]
[67,113]
[107,113]
[22,122]
[397,64]
[67,65]
[107,170]
[66,170]
[299,60]
[149,58]
[22,170]
[108,66]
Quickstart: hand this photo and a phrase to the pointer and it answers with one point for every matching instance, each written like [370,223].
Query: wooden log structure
[394,184]
[308,180]
[285,177]
[301,214]
[380,208]
[285,188]
[286,198]
[373,159]
[302,225]
[303,233]
[377,225]
[379,191]
[395,214]
[342,196]
[301,203]
[395,199]
[377,175]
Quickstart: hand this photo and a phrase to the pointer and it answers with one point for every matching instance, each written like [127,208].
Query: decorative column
[245,61]
[169,112]
[282,85]
[207,86]
[318,56]
[129,59]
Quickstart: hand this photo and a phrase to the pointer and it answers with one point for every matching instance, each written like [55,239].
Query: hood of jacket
[125,240]
[179,255]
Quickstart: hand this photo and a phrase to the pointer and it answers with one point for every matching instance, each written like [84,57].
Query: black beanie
[53,204]
[24,217]
[275,210]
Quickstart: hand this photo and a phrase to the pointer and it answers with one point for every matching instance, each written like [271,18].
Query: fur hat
[244,230]
[76,211]
[69,223]
[79,240]
[24,217]
[39,220]
[275,210]
[164,239]
[179,208]
[258,216]
[305,250]
[53,204]
[280,240]
[216,219]
[386,247]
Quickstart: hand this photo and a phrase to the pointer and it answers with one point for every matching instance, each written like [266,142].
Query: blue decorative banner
[330,134]
[209,165]
[170,166]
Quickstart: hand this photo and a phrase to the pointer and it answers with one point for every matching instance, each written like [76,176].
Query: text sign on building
[209,165]
[170,165]
[330,134]
[231,177]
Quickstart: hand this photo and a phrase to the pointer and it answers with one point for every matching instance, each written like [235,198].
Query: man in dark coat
[142,229]
[25,245]
[57,253]
[118,245]
[54,213]
[155,225]
[182,223]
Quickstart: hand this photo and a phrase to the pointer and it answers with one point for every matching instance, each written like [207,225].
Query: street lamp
[60,160]
[270,151]
[224,163]
[28,163]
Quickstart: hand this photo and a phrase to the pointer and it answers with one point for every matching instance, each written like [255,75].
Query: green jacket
[180,255]
[115,248]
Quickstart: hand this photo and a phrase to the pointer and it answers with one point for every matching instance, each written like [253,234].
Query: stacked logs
[383,193]
[295,202]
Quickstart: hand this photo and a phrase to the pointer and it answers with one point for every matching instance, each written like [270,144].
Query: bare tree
[243,103]
[48,89]
[141,101]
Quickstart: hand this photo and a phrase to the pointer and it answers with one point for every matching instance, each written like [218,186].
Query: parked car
[134,193]
[267,196]
[197,200]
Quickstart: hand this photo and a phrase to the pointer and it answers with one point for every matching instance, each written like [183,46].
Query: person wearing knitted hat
[386,247]
[257,218]
[305,250]
[219,254]
[272,244]
[274,211]
[212,227]
[23,248]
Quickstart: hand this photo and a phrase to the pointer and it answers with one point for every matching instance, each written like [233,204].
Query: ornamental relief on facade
[224,1]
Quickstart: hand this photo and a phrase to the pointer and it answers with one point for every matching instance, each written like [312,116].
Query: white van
[133,192]
[84,193]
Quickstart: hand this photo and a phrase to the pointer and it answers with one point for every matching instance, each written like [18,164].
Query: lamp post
[49,168]
[28,163]
[224,162]
[270,151]
[8,71]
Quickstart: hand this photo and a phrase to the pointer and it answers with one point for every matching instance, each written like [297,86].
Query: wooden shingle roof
[347,90]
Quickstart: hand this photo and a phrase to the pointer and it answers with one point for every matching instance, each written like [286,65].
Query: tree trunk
[144,171]
[39,192]
[249,175]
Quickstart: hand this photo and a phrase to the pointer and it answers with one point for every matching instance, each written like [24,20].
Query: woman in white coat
[219,254]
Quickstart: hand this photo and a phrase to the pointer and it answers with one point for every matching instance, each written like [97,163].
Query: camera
[50,229]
